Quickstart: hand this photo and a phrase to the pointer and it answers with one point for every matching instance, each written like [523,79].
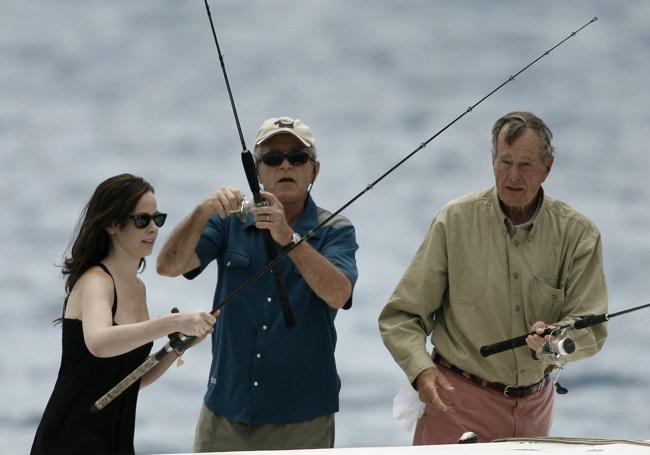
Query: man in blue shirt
[270,387]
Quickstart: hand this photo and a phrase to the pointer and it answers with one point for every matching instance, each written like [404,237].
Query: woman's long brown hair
[110,205]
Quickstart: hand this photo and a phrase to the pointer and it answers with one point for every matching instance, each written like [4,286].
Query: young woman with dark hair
[107,332]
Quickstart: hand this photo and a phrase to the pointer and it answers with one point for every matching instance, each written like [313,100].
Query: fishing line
[616,335]
[563,390]
[624,119]
[237,292]
[612,76]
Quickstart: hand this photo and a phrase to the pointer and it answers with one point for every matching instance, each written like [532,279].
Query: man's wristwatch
[295,238]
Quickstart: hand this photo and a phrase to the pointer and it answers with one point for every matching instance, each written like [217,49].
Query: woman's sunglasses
[142,220]
[295,157]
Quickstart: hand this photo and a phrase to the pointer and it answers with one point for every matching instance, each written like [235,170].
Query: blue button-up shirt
[262,372]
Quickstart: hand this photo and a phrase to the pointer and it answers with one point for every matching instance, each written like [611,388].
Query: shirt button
[268,299]
[516,275]
[228,264]
[553,297]
[258,355]
[516,242]
[522,371]
[255,383]
[517,308]
[264,327]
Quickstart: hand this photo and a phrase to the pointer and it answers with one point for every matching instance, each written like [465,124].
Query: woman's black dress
[67,426]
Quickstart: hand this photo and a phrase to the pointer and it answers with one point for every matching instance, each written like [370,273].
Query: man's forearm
[177,255]
[328,282]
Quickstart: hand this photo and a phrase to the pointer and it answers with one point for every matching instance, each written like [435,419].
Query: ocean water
[89,89]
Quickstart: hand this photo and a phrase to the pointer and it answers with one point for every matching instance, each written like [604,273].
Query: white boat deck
[533,447]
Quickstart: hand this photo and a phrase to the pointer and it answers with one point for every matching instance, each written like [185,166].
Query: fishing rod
[568,346]
[247,158]
[251,175]
[237,292]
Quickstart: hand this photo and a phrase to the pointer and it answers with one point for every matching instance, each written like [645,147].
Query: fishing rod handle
[582,323]
[512,343]
[588,321]
[250,170]
[132,377]
[125,383]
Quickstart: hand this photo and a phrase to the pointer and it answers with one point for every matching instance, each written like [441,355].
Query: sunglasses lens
[297,158]
[159,219]
[273,158]
[141,221]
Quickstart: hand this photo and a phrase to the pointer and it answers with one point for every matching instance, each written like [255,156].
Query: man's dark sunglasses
[296,157]
[142,220]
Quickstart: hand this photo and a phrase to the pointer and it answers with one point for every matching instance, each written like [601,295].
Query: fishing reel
[245,208]
[180,342]
[559,346]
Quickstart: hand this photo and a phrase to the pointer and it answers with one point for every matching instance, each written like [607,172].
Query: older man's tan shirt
[472,283]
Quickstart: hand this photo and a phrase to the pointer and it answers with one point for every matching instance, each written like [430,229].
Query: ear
[549,164]
[112,228]
[316,171]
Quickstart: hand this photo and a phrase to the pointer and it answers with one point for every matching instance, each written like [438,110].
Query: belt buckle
[507,389]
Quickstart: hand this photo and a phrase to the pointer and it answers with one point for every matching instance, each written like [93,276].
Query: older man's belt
[507,390]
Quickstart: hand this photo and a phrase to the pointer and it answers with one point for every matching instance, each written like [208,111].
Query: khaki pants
[486,412]
[215,433]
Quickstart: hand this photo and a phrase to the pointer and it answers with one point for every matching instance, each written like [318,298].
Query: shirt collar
[528,226]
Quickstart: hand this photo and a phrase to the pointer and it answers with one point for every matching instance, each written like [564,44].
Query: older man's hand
[427,384]
[536,341]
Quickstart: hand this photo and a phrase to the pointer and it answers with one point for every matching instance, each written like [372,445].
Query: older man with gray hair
[496,264]
[270,387]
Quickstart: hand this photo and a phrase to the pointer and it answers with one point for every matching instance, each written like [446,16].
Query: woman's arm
[94,290]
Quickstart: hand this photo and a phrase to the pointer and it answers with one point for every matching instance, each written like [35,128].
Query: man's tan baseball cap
[295,127]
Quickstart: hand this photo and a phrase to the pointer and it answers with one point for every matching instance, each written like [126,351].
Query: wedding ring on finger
[268,218]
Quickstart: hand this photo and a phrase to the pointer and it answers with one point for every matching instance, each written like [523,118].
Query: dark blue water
[90,88]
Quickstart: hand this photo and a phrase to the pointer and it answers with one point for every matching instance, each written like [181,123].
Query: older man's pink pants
[484,411]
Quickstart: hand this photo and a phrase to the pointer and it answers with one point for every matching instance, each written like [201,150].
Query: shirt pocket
[236,261]
[545,301]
